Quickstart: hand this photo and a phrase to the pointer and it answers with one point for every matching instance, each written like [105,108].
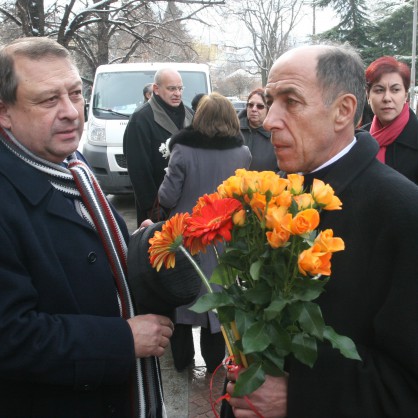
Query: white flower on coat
[164,148]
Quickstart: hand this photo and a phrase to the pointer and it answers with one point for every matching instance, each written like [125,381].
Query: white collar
[337,156]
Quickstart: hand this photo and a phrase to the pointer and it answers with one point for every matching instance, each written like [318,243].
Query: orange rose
[258,205]
[278,237]
[269,181]
[326,241]
[283,199]
[314,261]
[323,195]
[304,222]
[274,216]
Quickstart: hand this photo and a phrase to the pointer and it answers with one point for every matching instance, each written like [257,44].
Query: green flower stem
[227,329]
[197,268]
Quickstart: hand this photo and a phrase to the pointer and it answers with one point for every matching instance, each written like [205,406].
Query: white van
[116,93]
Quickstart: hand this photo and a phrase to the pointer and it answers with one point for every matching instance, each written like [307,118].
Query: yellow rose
[314,261]
[295,183]
[323,194]
[238,218]
[250,182]
[304,201]
[231,187]
[269,181]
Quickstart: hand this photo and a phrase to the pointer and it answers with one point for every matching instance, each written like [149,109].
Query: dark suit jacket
[64,350]
[371,296]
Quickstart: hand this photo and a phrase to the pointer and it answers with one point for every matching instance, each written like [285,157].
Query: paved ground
[187,394]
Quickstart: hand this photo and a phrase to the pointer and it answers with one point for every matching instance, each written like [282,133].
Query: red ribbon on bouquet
[231,366]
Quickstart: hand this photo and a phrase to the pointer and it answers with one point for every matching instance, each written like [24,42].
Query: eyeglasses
[172,89]
[259,106]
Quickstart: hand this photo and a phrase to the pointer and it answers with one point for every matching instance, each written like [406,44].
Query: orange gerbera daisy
[211,223]
[165,243]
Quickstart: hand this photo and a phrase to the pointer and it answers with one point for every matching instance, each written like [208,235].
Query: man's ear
[345,110]
[4,116]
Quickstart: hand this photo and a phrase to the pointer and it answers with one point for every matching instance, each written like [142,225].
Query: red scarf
[386,135]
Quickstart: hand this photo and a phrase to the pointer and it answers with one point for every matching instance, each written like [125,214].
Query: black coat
[402,155]
[148,127]
[258,142]
[64,350]
[371,296]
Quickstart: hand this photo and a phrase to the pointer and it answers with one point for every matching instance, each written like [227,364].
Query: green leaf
[344,344]
[255,338]
[304,348]
[273,363]
[226,314]
[249,380]
[307,289]
[255,269]
[280,339]
[220,276]
[244,320]
[309,316]
[211,301]
[259,295]
[275,308]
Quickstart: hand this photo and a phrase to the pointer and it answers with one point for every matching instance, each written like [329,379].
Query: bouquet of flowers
[274,265]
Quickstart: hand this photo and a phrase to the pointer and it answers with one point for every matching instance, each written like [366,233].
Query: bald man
[149,126]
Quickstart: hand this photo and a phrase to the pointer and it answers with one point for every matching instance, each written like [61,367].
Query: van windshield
[119,93]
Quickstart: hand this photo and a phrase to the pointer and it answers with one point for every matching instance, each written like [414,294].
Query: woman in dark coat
[394,126]
[201,158]
[255,136]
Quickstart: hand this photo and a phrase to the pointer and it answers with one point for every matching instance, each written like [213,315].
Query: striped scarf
[79,183]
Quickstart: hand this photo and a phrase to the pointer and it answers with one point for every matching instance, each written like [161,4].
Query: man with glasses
[149,126]
[255,136]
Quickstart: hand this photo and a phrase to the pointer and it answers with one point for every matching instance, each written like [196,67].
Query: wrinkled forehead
[291,75]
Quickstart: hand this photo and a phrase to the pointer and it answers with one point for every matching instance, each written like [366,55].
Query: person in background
[316,96]
[366,116]
[71,342]
[202,156]
[395,125]
[149,126]
[255,136]
[196,100]
[147,92]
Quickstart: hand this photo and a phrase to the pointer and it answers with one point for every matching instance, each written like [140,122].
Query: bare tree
[269,24]
[102,31]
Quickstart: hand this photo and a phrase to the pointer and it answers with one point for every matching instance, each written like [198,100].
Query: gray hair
[34,48]
[340,70]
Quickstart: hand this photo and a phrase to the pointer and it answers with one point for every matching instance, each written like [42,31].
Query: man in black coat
[71,342]
[316,93]
[150,126]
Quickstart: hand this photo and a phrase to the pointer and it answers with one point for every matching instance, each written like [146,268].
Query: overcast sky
[235,34]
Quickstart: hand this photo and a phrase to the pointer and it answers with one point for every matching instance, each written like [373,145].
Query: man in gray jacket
[149,126]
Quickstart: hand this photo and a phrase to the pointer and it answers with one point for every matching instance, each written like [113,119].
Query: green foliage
[354,27]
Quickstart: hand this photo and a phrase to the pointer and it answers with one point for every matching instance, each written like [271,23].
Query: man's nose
[68,109]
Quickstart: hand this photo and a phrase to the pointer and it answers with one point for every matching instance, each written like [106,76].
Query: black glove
[159,292]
